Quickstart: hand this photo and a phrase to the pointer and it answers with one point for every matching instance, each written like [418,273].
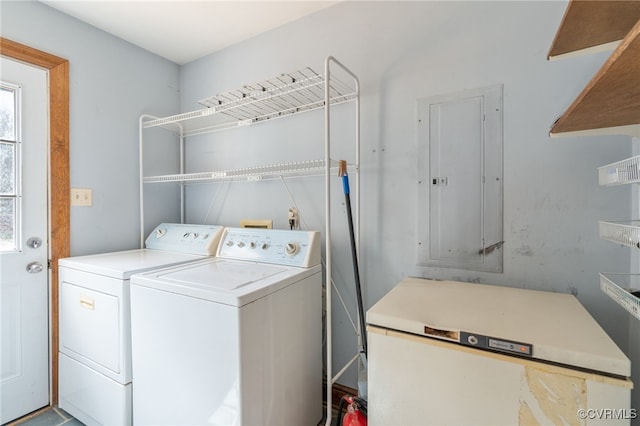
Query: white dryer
[95,332]
[232,340]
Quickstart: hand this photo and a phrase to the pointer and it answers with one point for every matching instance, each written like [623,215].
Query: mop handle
[342,171]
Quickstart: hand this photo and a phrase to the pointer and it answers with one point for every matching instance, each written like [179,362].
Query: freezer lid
[557,326]
[123,264]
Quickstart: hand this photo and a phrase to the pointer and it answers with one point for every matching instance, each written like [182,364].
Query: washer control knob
[229,243]
[291,248]
[161,232]
[186,234]
[252,245]
[264,246]
[240,244]
[472,340]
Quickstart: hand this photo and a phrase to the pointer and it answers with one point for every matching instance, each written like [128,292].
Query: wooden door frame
[59,190]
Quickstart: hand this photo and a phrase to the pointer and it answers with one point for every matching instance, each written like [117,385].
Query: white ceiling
[185,30]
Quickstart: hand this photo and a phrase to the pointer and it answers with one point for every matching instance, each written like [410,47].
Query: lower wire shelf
[294,169]
[625,293]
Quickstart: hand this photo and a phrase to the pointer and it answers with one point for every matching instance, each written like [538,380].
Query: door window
[9,167]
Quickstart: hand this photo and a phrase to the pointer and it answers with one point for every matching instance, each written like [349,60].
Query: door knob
[34,267]
[34,242]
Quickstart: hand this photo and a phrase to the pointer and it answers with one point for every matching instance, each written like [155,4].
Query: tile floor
[55,416]
[52,416]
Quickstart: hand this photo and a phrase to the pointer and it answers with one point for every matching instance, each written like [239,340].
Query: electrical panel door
[460,180]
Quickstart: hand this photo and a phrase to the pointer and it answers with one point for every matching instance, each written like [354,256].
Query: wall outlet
[81,197]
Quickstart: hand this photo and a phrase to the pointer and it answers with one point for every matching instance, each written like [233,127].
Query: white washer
[95,333]
[232,340]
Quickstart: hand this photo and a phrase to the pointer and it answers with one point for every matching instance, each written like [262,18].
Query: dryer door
[91,324]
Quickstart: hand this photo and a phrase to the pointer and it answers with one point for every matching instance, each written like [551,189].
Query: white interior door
[24,275]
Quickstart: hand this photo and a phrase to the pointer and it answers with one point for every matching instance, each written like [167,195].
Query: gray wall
[406,51]
[401,52]
[112,82]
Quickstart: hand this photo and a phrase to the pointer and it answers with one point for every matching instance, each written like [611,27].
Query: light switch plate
[81,197]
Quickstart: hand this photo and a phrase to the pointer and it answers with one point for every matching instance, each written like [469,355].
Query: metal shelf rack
[282,96]
[287,94]
[252,174]
[625,293]
[625,233]
[620,172]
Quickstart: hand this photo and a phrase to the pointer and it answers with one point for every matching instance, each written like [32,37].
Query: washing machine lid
[230,282]
[123,264]
[555,327]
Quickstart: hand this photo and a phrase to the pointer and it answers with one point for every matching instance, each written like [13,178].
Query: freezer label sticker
[492,343]
[507,346]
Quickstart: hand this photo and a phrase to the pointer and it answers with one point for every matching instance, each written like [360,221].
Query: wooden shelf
[588,25]
[611,100]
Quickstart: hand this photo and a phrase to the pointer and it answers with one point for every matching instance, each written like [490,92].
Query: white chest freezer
[452,353]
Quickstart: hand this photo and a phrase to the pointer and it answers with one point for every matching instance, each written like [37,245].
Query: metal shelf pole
[328,261]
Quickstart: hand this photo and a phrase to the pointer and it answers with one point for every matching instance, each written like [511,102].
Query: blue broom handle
[345,184]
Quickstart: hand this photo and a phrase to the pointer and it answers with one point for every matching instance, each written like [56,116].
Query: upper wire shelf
[259,173]
[290,93]
[621,172]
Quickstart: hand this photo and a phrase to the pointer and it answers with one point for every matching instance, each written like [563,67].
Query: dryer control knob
[292,248]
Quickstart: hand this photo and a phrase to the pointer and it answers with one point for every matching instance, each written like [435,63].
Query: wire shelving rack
[283,96]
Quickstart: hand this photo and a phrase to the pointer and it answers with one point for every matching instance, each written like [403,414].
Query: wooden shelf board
[612,97]
[590,23]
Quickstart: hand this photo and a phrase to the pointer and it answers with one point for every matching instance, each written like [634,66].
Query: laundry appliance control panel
[277,246]
[184,238]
